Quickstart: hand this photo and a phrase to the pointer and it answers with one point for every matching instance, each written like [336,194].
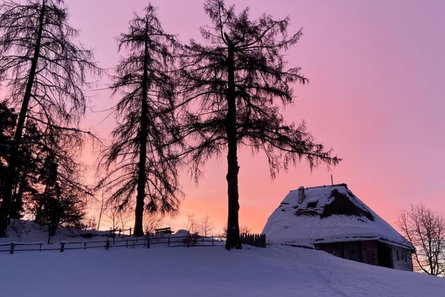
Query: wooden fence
[124,242]
[258,240]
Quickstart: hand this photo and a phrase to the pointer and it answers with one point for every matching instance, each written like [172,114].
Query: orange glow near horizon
[376,82]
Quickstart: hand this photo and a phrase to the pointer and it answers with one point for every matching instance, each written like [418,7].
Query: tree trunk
[101,211]
[233,236]
[5,209]
[142,177]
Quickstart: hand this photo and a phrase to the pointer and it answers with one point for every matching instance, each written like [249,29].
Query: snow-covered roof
[328,214]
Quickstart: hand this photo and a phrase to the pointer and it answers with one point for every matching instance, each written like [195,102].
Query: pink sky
[376,71]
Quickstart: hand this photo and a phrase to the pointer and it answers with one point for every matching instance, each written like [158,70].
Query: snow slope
[204,271]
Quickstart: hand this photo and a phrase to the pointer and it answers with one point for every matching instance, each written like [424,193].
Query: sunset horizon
[222,148]
[373,95]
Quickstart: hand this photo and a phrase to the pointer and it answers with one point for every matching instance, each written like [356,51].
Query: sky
[376,71]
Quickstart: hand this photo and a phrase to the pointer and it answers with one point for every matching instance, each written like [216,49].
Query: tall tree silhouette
[44,71]
[142,160]
[232,84]
[8,120]
[47,183]
[61,202]
[29,162]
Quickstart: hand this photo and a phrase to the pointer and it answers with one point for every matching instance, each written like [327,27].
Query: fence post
[11,250]
[40,247]
[84,245]
[148,242]
[62,247]
[107,245]
[168,241]
[130,231]
[126,243]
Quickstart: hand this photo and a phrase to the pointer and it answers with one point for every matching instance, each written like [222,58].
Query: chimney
[301,194]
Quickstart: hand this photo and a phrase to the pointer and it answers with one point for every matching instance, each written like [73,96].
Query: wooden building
[333,219]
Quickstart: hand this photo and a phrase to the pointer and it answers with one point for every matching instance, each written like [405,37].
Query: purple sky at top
[376,71]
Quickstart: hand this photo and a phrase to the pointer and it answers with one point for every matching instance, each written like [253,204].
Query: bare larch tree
[425,229]
[233,84]
[43,71]
[142,159]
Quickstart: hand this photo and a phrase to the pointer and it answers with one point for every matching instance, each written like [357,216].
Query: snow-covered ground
[22,231]
[204,271]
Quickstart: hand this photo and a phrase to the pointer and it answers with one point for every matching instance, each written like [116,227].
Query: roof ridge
[325,186]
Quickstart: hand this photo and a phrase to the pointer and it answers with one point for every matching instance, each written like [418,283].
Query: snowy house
[333,219]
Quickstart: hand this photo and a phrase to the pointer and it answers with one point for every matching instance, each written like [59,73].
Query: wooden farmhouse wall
[370,252]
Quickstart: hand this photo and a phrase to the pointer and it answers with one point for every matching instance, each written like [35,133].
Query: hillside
[203,271]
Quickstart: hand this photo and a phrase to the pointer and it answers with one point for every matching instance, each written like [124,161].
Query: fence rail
[129,242]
